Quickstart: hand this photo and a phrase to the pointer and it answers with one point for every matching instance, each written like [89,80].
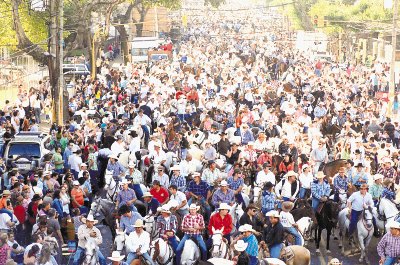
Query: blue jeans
[199,239]
[390,261]
[172,241]
[293,231]
[80,252]
[253,260]
[315,204]
[207,207]
[285,199]
[146,133]
[184,153]
[302,193]
[132,256]
[353,220]
[275,250]
[138,191]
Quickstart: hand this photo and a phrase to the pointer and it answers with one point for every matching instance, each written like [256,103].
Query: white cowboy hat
[194,207]
[223,183]
[165,209]
[246,228]
[113,156]
[123,182]
[83,165]
[89,218]
[291,173]
[75,183]
[147,194]
[131,165]
[139,223]
[320,175]
[387,160]
[273,213]
[224,206]
[250,143]
[378,176]
[157,144]
[305,166]
[173,203]
[394,224]
[196,174]
[176,167]
[115,256]
[240,245]
[46,173]
[334,261]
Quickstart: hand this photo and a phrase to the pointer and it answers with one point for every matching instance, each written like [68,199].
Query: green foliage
[171,4]
[214,3]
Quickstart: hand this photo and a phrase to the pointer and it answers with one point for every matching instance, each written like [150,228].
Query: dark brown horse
[327,219]
[332,168]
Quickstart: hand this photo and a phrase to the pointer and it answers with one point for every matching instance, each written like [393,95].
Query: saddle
[320,207]
[289,254]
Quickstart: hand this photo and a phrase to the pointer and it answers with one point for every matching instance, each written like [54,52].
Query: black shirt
[273,234]
[223,146]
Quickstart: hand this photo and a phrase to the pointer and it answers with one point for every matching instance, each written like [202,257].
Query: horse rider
[242,257]
[143,120]
[340,184]
[187,166]
[359,177]
[388,247]
[223,195]
[288,188]
[221,220]
[157,156]
[182,205]
[161,177]
[159,192]
[200,191]
[138,243]
[126,196]
[152,203]
[211,174]
[136,178]
[128,218]
[115,167]
[235,183]
[319,155]
[273,234]
[116,259]
[265,175]
[193,226]
[387,169]
[268,198]
[357,202]
[376,189]
[247,235]
[167,225]
[288,223]
[177,179]
[306,178]
[85,231]
[320,190]
[387,191]
[250,217]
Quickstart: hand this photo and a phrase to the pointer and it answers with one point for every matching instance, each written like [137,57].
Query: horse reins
[115,188]
[220,249]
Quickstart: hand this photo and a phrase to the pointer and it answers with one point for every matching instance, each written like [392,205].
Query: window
[25,149]
[139,52]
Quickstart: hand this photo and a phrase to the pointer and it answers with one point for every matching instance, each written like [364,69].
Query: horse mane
[156,250]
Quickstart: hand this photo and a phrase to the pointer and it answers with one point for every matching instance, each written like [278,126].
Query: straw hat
[386,182]
[273,214]
[224,183]
[115,256]
[246,228]
[387,160]
[224,206]
[176,167]
[6,192]
[287,206]
[378,176]
[89,218]
[139,223]
[240,245]
[320,175]
[394,224]
[165,209]
[194,207]
[334,261]
[291,173]
[147,194]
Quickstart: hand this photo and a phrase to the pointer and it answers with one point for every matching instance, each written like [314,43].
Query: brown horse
[332,168]
[296,255]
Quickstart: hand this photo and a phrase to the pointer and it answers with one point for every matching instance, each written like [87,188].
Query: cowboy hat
[287,206]
[386,182]
[194,207]
[113,156]
[250,143]
[223,183]
[246,228]
[131,165]
[196,174]
[240,245]
[83,165]
[291,173]
[176,167]
[89,218]
[387,160]
[75,183]
[157,144]
[320,175]
[224,206]
[139,223]
[273,214]
[334,261]
[147,194]
[6,192]
[165,209]
[394,224]
[123,182]
[115,256]
[378,176]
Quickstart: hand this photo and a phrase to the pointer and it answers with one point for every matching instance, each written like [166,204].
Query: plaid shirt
[210,176]
[136,176]
[179,181]
[220,197]
[235,184]
[199,190]
[268,200]
[389,246]
[164,225]
[340,183]
[388,173]
[252,247]
[116,168]
[189,221]
[125,195]
[319,190]
[388,194]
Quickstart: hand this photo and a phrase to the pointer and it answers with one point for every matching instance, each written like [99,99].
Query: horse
[111,186]
[119,242]
[190,253]
[91,248]
[220,248]
[385,212]
[304,225]
[236,212]
[295,255]
[365,229]
[272,261]
[104,211]
[326,219]
[161,252]
[332,168]
[150,226]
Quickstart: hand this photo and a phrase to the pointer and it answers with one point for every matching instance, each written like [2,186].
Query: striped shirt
[252,247]
[235,184]
[319,190]
[268,200]
[179,181]
[389,246]
[220,197]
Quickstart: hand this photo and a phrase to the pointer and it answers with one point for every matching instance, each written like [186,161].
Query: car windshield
[25,149]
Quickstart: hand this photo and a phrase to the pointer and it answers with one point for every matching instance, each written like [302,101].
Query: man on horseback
[200,191]
[193,226]
[85,231]
[320,191]
[389,246]
[136,177]
[152,203]
[235,183]
[340,184]
[128,218]
[359,177]
[167,225]
[221,220]
[265,175]
[212,174]
[138,243]
[252,244]
[288,222]
[223,195]
[177,179]
[288,188]
[356,203]
[126,196]
[273,234]
[115,167]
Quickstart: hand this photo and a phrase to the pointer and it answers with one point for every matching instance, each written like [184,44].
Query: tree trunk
[124,42]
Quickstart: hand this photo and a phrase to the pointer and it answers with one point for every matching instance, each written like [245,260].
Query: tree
[214,3]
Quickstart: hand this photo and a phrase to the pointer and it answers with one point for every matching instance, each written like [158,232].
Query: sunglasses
[364,189]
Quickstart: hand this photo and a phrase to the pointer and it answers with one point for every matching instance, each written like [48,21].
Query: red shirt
[161,195]
[217,222]
[19,212]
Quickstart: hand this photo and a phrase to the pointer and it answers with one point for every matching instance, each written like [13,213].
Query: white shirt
[158,157]
[134,241]
[285,189]
[187,167]
[180,197]
[118,148]
[134,146]
[74,161]
[287,219]
[306,180]
[4,219]
[84,234]
[263,177]
[144,120]
[358,201]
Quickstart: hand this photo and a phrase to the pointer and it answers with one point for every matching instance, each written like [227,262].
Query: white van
[140,47]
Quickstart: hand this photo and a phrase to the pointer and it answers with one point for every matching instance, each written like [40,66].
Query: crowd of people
[238,107]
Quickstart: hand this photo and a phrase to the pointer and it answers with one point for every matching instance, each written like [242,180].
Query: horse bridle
[153,229]
[115,188]
[220,248]
[170,257]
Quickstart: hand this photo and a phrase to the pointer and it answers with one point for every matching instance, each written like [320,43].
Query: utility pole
[53,58]
[393,62]
[60,120]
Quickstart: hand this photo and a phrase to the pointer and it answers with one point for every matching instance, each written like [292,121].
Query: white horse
[220,248]
[190,253]
[150,226]
[119,242]
[91,248]
[221,261]
[304,225]
[365,230]
[272,261]
[126,157]
[388,210]
[111,186]
[161,252]
[236,212]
